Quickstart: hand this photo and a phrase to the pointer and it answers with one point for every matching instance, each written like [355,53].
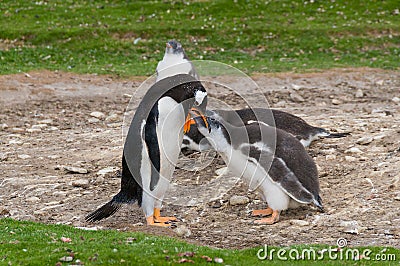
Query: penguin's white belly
[169,129]
[172,65]
[258,179]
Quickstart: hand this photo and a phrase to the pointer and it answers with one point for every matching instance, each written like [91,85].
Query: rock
[40,126]
[379,137]
[3,156]
[296,97]
[330,157]
[350,158]
[353,150]
[114,125]
[364,140]
[359,93]
[336,102]
[17,130]
[350,227]
[182,231]
[299,222]
[4,212]
[114,118]
[93,120]
[77,170]
[280,104]
[32,199]
[98,115]
[396,99]
[238,200]
[23,156]
[83,183]
[53,128]
[99,180]
[107,170]
[218,260]
[296,87]
[380,82]
[3,126]
[14,141]
[34,130]
[397,198]
[46,121]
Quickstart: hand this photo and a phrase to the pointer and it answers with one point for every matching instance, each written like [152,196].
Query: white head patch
[199,97]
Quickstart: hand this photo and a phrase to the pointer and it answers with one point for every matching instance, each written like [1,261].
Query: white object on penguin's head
[199,97]
[173,47]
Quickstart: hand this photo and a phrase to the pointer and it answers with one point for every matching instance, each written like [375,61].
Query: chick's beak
[168,45]
[190,121]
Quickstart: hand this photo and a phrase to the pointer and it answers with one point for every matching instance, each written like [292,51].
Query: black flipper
[153,148]
[130,192]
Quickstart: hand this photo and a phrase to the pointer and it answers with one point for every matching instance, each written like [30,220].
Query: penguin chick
[290,123]
[285,176]
[175,61]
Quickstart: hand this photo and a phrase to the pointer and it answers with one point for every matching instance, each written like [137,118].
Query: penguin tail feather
[104,211]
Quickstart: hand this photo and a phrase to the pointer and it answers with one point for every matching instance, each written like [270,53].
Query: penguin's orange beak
[168,45]
[189,120]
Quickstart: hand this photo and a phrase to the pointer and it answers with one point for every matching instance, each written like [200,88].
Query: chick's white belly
[258,179]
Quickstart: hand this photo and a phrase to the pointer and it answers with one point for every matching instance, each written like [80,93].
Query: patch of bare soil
[47,123]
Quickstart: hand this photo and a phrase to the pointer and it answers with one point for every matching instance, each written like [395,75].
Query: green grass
[98,36]
[23,243]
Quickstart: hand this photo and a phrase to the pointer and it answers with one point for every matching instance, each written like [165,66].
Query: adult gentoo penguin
[175,61]
[153,144]
[290,123]
[285,175]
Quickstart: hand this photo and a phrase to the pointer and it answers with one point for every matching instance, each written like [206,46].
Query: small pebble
[24,156]
[359,93]
[93,120]
[238,200]
[330,157]
[113,118]
[336,102]
[296,97]
[218,260]
[77,170]
[183,231]
[364,140]
[353,150]
[350,158]
[299,222]
[83,183]
[98,115]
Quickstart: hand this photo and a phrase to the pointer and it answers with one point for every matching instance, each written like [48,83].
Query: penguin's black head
[173,47]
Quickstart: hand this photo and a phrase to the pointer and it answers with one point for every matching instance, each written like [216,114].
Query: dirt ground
[47,125]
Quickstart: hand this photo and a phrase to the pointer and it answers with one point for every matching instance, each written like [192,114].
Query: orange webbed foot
[160,219]
[270,220]
[264,212]
[150,221]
